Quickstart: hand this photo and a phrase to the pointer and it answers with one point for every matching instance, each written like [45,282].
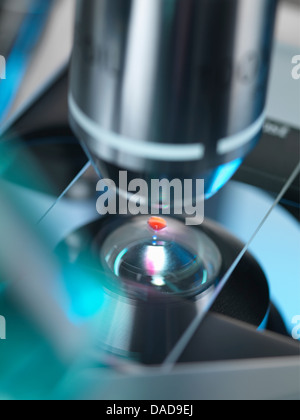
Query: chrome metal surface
[171,87]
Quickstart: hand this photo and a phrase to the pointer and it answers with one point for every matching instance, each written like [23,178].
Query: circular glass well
[177,260]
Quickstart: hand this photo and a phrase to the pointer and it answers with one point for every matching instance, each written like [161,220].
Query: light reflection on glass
[155,260]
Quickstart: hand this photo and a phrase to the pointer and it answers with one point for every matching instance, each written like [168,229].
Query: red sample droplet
[157,223]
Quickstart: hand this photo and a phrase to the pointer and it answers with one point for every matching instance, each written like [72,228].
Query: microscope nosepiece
[170,89]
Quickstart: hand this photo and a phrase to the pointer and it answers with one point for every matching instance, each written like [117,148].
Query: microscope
[169,90]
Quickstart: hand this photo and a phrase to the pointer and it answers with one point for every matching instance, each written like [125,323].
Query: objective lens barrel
[170,88]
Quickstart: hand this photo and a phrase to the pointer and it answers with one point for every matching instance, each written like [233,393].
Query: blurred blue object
[18,59]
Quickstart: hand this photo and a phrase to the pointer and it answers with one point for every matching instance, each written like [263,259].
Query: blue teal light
[205,278]
[264,324]
[221,176]
[2,287]
[18,60]
[154,243]
[86,294]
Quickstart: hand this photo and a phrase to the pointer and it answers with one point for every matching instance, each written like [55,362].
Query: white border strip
[155,151]
[229,144]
